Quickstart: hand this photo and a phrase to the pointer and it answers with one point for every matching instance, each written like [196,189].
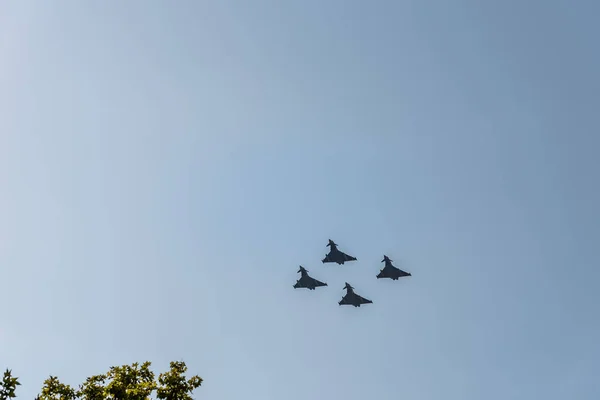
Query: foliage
[127,382]
[8,386]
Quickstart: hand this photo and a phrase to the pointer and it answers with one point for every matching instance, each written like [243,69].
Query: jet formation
[339,257]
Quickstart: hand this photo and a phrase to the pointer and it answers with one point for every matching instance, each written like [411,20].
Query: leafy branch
[126,382]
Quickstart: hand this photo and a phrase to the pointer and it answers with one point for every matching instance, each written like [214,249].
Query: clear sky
[165,166]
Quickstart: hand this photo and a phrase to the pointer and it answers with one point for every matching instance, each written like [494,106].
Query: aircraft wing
[337,257]
[397,272]
[330,257]
[347,257]
[345,300]
[301,283]
[403,273]
[318,283]
[362,300]
[392,272]
[308,282]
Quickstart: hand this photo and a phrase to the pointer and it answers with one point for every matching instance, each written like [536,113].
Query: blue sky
[166,166]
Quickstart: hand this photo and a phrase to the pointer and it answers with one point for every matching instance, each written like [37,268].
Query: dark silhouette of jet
[307,281]
[352,299]
[336,256]
[389,271]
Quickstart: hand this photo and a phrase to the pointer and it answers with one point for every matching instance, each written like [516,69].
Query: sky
[165,167]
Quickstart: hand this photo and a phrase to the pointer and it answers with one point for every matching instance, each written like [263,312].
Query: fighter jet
[352,298]
[307,281]
[335,255]
[389,271]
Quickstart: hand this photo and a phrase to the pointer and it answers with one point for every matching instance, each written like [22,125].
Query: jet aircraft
[336,255]
[307,281]
[389,271]
[352,298]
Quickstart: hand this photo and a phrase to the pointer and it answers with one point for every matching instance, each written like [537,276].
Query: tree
[8,386]
[127,382]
